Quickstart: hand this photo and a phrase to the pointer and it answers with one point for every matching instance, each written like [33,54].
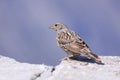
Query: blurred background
[26,37]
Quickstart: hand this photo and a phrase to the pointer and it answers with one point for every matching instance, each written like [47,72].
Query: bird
[72,43]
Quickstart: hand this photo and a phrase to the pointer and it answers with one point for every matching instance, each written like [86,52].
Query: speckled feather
[72,43]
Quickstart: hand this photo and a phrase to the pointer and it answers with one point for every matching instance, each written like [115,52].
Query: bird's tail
[95,57]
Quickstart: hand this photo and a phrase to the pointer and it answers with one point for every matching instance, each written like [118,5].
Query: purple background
[25,36]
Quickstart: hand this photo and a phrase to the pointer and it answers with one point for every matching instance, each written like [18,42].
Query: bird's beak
[51,27]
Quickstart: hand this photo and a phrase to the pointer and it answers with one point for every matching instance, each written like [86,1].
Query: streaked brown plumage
[71,42]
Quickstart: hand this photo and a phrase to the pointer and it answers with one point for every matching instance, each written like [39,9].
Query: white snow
[76,70]
[66,70]
[13,70]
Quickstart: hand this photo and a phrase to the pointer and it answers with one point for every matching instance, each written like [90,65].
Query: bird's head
[58,27]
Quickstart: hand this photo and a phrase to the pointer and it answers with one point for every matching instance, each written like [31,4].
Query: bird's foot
[65,58]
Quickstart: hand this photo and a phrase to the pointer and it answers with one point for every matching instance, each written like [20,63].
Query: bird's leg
[67,58]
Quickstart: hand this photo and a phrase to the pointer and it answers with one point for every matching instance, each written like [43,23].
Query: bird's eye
[55,24]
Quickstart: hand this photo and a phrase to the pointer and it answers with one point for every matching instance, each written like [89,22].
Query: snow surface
[66,70]
[13,70]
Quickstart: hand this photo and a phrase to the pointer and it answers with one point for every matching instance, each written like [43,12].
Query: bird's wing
[71,41]
[77,45]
